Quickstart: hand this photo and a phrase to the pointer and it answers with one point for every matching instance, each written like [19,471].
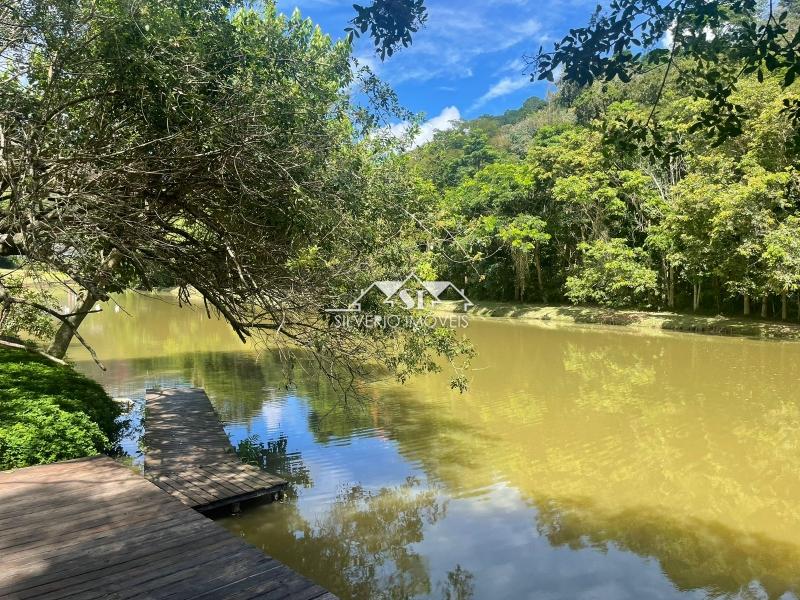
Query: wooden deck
[189,456]
[92,528]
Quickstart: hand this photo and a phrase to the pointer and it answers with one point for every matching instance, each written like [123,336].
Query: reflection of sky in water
[368,459]
[665,466]
[492,535]
[496,536]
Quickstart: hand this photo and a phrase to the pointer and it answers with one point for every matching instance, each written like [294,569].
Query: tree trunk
[66,332]
[747,305]
[671,288]
[67,329]
[764,306]
[784,305]
[696,296]
[538,263]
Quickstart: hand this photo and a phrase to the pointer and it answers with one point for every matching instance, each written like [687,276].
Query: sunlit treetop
[705,46]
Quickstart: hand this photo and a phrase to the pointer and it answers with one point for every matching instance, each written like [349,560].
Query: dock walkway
[189,456]
[92,528]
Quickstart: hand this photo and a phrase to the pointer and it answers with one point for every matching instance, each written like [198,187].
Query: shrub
[50,412]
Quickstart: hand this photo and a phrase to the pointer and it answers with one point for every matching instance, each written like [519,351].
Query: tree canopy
[548,199]
[204,145]
[708,48]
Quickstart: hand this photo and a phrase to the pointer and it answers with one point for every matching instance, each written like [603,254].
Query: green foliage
[782,255]
[700,227]
[50,412]
[714,45]
[612,274]
[454,155]
[501,188]
[390,23]
[25,321]
[524,233]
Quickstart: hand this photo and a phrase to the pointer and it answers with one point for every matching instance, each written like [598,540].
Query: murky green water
[583,463]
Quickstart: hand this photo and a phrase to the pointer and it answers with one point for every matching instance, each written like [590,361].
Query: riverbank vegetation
[49,412]
[630,318]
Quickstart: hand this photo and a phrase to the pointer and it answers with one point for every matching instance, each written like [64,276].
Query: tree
[782,259]
[524,235]
[715,43]
[612,274]
[216,148]
[685,232]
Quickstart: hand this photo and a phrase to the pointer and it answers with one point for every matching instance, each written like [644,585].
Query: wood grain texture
[93,528]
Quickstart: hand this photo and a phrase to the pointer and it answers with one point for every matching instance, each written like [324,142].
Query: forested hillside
[547,204]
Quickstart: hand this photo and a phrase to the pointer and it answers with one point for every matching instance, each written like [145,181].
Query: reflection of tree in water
[365,539]
[608,379]
[273,457]
[694,554]
[362,546]
[459,585]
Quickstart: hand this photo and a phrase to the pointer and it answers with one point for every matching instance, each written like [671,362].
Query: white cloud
[441,122]
[456,38]
[504,87]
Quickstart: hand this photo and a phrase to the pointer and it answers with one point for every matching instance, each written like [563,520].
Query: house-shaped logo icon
[410,293]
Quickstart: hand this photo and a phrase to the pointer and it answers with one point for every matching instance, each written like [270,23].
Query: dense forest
[542,204]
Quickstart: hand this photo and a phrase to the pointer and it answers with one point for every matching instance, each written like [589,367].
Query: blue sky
[468,60]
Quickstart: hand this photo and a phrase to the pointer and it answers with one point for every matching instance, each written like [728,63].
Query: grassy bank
[49,412]
[668,321]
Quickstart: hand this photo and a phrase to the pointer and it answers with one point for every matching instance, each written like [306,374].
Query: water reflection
[694,554]
[582,463]
[364,542]
[274,457]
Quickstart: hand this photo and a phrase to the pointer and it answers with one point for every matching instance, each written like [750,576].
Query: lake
[584,462]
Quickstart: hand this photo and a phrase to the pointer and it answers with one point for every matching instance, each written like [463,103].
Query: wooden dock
[92,528]
[189,456]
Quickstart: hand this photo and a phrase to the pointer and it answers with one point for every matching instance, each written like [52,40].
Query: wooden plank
[26,518]
[189,455]
[91,558]
[151,546]
[139,577]
[225,565]
[29,537]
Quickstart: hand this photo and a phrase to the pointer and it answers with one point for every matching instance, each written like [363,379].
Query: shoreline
[633,319]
